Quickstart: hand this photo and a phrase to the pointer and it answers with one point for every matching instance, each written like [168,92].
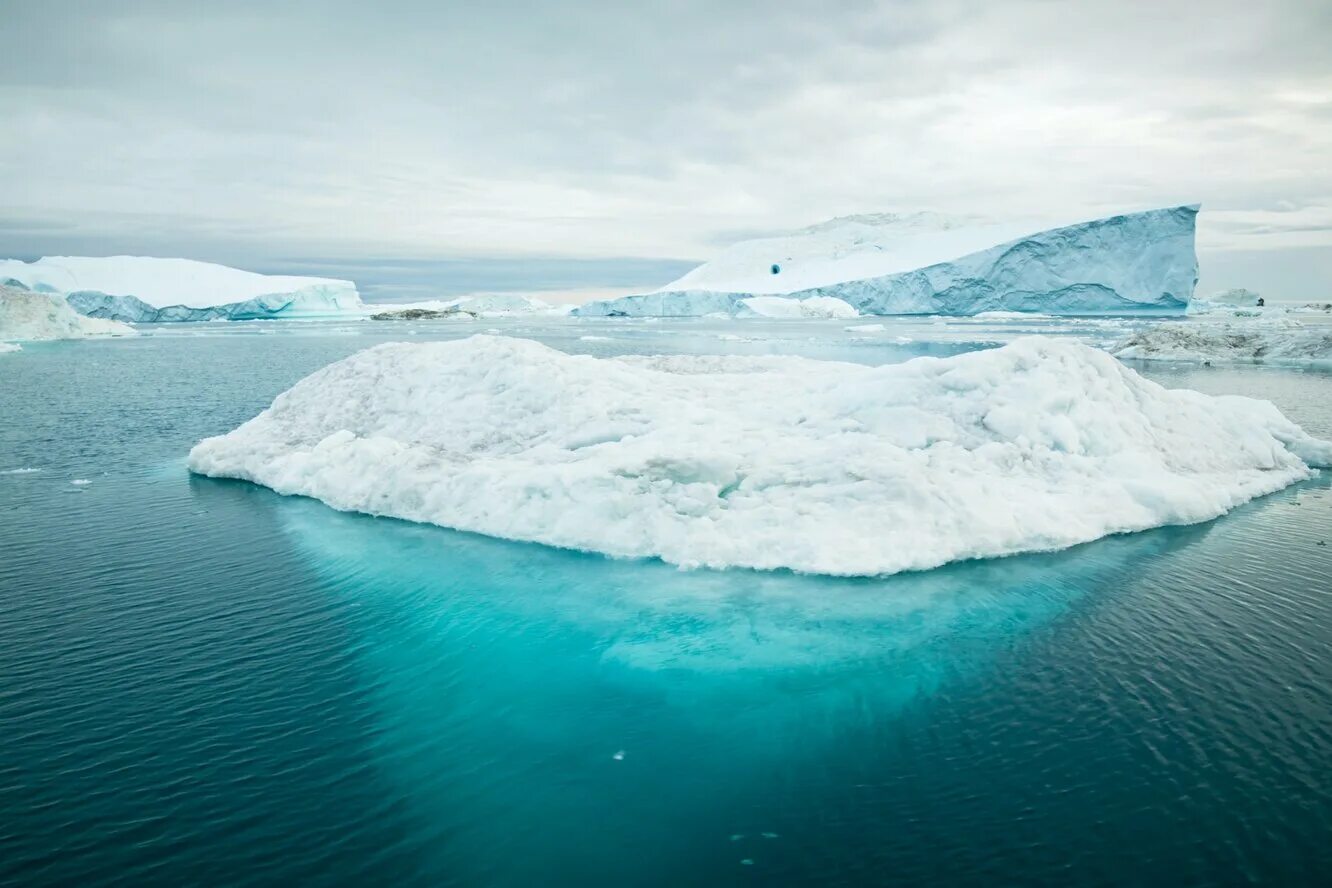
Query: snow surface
[765,462]
[30,317]
[1128,264]
[145,289]
[1281,342]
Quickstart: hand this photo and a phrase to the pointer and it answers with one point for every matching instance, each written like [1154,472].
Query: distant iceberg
[765,462]
[1278,342]
[142,289]
[30,317]
[1134,263]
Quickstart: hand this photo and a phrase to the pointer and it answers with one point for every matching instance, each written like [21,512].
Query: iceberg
[1135,263]
[1281,342]
[764,462]
[474,305]
[31,317]
[142,289]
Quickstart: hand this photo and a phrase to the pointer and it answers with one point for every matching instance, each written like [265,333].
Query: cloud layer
[250,132]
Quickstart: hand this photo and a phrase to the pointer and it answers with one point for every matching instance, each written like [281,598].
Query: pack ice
[926,264]
[142,289]
[771,462]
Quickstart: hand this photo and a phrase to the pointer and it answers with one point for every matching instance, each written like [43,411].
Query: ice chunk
[864,328]
[10,347]
[28,316]
[1259,342]
[143,289]
[1127,264]
[769,462]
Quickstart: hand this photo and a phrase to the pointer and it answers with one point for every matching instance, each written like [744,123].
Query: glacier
[764,462]
[1133,263]
[30,317]
[143,289]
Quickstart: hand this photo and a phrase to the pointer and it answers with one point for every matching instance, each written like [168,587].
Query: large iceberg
[142,289]
[771,462]
[890,265]
[29,317]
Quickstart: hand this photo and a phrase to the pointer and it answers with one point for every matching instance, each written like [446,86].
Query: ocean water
[203,681]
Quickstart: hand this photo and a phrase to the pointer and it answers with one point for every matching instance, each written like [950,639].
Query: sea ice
[142,289]
[765,462]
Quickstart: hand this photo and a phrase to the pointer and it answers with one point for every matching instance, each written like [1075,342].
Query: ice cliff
[773,462]
[888,265]
[142,289]
[27,317]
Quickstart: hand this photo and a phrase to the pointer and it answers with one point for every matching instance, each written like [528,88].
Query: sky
[524,145]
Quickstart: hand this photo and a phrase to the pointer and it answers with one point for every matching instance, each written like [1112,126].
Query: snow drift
[888,265]
[142,289]
[775,462]
[28,317]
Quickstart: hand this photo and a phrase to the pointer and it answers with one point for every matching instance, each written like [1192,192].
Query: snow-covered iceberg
[475,305]
[29,317]
[1280,342]
[142,289]
[772,462]
[889,265]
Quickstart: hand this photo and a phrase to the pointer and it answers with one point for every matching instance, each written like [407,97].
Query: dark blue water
[202,681]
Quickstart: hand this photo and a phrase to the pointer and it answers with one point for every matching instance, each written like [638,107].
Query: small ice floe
[769,835]
[80,482]
[747,862]
[730,337]
[22,471]
[903,340]
[864,328]
[619,755]
[594,338]
[735,837]
[10,347]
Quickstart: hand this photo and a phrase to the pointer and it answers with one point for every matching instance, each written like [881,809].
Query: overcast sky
[368,133]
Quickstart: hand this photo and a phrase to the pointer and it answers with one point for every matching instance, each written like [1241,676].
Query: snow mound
[781,307]
[1133,263]
[1284,343]
[143,289]
[29,317]
[765,462]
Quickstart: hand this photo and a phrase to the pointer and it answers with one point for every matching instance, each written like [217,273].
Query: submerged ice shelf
[1135,263]
[776,462]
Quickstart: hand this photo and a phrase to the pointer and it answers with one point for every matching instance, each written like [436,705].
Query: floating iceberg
[889,265]
[141,289]
[1284,342]
[475,305]
[783,307]
[771,462]
[27,316]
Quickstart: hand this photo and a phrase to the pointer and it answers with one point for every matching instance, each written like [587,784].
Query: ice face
[1128,264]
[775,462]
[143,289]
